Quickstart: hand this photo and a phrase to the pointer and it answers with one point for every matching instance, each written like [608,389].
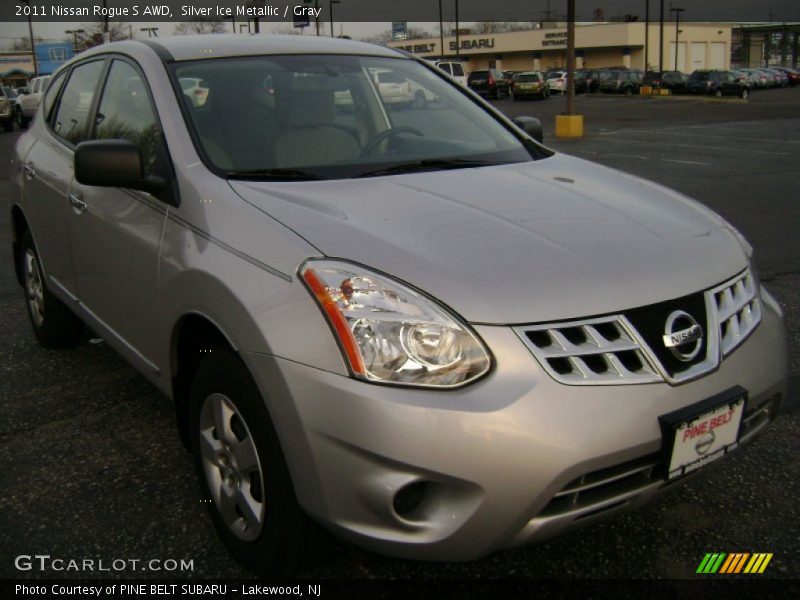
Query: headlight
[391,333]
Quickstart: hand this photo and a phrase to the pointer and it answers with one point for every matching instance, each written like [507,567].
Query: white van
[455,70]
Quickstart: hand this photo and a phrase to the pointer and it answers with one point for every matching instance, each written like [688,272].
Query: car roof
[226,45]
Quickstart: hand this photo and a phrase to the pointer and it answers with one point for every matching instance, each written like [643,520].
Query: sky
[10,31]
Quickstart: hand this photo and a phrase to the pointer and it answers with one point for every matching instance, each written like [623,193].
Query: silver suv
[433,365]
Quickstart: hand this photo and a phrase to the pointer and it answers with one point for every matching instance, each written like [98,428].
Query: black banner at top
[750,11]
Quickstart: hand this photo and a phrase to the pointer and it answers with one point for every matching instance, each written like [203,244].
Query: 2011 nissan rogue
[421,329]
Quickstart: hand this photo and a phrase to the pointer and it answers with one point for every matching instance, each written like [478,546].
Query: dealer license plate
[699,435]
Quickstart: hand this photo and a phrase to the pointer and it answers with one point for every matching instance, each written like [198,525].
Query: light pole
[33,44]
[330,9]
[661,40]
[571,57]
[677,12]
[646,34]
[441,31]
[458,43]
[74,33]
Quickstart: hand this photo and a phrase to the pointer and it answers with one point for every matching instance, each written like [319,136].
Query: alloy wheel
[34,288]
[232,467]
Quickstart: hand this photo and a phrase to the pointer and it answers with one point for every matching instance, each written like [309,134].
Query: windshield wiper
[274,175]
[430,164]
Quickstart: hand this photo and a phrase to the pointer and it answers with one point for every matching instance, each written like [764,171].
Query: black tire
[514,97]
[287,537]
[8,126]
[718,94]
[21,120]
[745,94]
[629,91]
[54,325]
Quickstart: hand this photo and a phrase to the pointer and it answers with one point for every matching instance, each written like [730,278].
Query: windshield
[335,116]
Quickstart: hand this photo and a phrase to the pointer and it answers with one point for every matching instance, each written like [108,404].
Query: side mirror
[531,126]
[113,163]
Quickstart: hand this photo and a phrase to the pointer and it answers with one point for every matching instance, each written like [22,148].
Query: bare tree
[200,26]
[93,33]
[413,33]
[23,44]
[502,26]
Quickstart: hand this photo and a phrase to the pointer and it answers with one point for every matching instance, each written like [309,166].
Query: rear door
[47,172]
[115,232]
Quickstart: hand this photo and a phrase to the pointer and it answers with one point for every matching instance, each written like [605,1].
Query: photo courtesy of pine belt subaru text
[379,306]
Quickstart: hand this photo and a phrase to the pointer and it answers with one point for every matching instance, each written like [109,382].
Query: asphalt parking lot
[92,466]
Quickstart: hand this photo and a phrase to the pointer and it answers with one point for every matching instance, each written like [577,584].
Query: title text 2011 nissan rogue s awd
[433,365]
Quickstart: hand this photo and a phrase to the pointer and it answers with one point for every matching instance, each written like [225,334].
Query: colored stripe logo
[734,563]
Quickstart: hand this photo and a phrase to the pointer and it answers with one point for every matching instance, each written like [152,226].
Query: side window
[76,101]
[458,70]
[125,113]
[52,94]
[446,68]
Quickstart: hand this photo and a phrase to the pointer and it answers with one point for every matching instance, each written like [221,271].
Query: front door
[116,232]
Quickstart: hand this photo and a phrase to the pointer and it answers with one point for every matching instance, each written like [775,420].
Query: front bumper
[511,459]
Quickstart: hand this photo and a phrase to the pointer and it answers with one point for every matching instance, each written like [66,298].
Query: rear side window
[76,101]
[446,68]
[52,94]
[458,71]
[125,113]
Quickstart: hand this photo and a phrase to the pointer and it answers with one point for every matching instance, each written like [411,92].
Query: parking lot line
[672,131]
[686,162]
[698,147]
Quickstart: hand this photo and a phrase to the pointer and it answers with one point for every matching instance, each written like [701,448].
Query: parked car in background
[674,81]
[793,75]
[7,104]
[530,84]
[759,78]
[772,79]
[557,81]
[718,83]
[587,81]
[781,79]
[622,81]
[509,77]
[745,77]
[488,82]
[454,69]
[395,90]
[195,90]
[28,103]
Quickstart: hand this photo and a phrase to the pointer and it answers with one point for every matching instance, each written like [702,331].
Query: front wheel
[745,94]
[54,325]
[718,94]
[243,471]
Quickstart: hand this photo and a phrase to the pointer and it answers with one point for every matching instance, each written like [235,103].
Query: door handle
[29,172]
[77,203]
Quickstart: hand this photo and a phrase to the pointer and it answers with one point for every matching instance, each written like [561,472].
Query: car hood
[558,238]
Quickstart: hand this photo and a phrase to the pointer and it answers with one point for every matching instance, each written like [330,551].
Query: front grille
[608,488]
[649,323]
[598,487]
[630,348]
[593,352]
[738,310]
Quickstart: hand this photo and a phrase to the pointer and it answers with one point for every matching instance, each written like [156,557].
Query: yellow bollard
[569,126]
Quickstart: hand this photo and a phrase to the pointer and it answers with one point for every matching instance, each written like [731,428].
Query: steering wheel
[386,134]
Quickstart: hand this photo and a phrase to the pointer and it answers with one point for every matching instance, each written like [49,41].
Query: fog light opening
[409,498]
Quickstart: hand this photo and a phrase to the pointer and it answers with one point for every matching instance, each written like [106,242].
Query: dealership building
[16,68]
[698,46]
